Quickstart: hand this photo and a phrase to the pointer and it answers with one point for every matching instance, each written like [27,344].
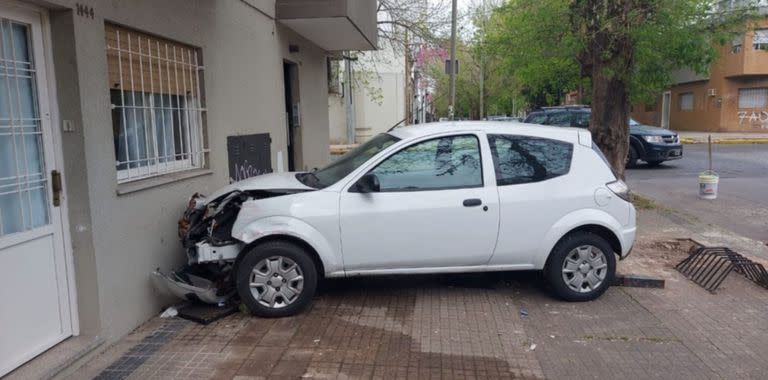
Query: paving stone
[470,327]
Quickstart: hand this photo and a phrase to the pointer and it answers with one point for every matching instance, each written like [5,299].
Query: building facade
[113,112]
[733,98]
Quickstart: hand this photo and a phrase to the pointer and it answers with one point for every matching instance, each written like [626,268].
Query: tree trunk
[609,123]
[607,60]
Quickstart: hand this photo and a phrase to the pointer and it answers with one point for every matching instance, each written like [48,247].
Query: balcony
[334,25]
[747,59]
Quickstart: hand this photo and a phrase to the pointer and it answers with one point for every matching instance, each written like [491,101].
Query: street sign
[448,67]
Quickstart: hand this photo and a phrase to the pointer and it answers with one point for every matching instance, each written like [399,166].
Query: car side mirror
[369,183]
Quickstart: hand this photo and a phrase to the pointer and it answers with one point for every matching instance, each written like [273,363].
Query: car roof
[491,127]
[561,109]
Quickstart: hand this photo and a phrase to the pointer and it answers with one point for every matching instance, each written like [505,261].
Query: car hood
[647,130]
[270,182]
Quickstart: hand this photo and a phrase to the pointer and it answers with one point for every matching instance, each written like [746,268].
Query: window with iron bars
[158,112]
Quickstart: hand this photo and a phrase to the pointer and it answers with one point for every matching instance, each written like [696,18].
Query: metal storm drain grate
[709,266]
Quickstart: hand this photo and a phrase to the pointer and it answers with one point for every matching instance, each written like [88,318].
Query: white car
[441,198]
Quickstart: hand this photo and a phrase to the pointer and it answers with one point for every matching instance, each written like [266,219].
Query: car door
[534,193]
[433,209]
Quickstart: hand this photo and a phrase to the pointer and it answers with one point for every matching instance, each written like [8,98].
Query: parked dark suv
[650,144]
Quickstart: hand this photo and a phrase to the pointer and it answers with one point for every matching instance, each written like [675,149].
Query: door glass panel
[23,183]
[443,163]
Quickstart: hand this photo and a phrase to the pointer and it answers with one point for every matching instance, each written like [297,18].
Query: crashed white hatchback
[441,198]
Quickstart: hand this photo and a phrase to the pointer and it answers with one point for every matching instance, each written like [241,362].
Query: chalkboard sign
[249,156]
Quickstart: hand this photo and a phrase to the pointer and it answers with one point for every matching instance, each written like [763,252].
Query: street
[742,202]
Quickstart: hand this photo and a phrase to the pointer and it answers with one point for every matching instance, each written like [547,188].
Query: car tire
[654,163]
[581,267]
[276,279]
[632,157]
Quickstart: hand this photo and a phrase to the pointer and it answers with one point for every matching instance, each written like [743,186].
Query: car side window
[537,118]
[523,159]
[560,119]
[443,163]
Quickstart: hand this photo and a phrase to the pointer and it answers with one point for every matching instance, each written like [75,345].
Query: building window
[760,39]
[737,43]
[686,101]
[158,112]
[753,97]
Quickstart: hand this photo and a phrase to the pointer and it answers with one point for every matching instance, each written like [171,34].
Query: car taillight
[621,189]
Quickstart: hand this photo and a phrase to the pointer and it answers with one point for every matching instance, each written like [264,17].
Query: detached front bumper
[189,287]
[663,152]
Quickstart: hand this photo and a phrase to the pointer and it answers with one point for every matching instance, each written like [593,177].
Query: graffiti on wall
[753,119]
[249,156]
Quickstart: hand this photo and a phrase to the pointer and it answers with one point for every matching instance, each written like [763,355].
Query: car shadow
[386,283]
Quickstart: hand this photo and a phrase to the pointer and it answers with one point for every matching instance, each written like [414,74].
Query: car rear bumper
[659,152]
[627,241]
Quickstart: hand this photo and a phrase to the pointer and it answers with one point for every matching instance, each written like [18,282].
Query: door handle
[56,187]
[472,202]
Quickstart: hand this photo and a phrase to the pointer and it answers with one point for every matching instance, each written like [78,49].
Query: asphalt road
[742,203]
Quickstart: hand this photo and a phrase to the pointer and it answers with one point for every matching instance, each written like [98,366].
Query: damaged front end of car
[205,231]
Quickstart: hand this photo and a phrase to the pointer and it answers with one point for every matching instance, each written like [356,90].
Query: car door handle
[472,202]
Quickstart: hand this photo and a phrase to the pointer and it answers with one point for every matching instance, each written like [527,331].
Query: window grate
[158,112]
[760,39]
[753,97]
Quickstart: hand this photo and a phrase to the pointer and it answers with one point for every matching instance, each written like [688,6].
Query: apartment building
[732,98]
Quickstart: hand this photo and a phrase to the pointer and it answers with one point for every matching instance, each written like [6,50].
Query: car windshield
[347,163]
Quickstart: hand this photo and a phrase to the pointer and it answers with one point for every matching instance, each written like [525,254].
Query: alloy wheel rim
[276,282]
[585,268]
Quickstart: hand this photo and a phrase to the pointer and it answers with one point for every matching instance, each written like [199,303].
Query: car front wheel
[276,279]
[632,157]
[581,267]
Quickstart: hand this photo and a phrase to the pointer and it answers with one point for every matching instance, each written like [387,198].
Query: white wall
[373,114]
[118,240]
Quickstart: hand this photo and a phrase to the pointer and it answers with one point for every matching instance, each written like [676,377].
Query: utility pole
[452,102]
[350,105]
[482,65]
[408,96]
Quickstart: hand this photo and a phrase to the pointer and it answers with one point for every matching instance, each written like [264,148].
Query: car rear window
[525,159]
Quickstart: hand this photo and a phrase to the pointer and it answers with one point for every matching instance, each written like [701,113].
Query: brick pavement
[471,326]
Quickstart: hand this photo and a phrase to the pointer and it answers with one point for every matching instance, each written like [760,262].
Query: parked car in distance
[438,198]
[650,144]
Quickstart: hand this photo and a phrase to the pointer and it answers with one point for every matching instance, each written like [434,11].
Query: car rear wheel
[631,157]
[581,267]
[276,279]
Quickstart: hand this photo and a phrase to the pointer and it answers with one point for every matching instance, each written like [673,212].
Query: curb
[726,141]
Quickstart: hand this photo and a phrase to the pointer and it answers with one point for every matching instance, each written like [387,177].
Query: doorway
[34,283]
[292,114]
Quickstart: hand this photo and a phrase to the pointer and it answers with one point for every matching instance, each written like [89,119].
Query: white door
[433,210]
[666,104]
[35,311]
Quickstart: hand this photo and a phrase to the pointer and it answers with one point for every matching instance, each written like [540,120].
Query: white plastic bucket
[708,181]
